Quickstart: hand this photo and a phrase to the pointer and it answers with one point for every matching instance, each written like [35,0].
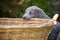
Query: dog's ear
[36,12]
[39,13]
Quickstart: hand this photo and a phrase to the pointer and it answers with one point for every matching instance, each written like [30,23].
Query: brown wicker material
[19,29]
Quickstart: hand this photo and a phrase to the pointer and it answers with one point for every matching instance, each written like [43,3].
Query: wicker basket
[19,29]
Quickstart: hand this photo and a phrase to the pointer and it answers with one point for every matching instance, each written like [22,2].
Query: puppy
[35,12]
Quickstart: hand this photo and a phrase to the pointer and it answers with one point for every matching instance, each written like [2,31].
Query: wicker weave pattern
[40,33]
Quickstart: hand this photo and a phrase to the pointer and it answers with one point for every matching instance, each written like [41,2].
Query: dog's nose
[24,17]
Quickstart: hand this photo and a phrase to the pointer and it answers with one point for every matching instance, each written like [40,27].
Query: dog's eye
[30,13]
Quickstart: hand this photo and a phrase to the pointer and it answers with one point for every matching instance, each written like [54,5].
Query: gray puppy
[35,12]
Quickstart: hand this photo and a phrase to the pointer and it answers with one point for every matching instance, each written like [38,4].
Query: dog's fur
[35,12]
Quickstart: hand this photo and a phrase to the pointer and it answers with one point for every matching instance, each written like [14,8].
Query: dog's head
[34,12]
[30,13]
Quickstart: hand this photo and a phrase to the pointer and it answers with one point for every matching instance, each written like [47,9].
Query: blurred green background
[16,8]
